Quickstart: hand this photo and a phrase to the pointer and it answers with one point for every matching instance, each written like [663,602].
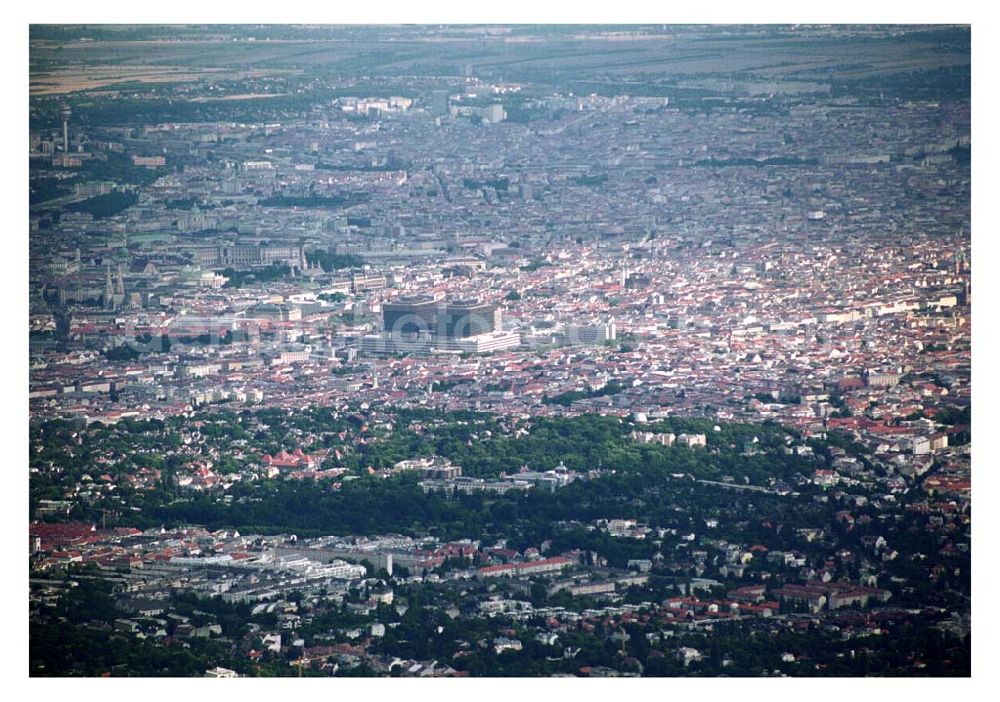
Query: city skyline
[500,350]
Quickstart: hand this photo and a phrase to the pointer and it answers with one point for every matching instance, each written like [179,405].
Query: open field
[59,79]
[552,55]
[73,79]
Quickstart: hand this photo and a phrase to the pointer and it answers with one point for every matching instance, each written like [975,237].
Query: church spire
[109,292]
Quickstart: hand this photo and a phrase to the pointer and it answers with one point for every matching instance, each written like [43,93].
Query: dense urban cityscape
[464,351]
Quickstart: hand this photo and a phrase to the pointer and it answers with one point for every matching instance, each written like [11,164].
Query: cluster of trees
[77,638]
[371,506]
[650,483]
[123,353]
[113,166]
[954,415]
[326,201]
[735,648]
[477,443]
[332,261]
[102,206]
[653,484]
[568,398]
[58,649]
[42,189]
[268,274]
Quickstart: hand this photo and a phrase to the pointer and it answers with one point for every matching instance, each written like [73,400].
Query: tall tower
[65,112]
[120,282]
[109,291]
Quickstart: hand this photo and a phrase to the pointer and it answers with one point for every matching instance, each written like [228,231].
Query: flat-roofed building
[426,325]
[464,319]
[410,316]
